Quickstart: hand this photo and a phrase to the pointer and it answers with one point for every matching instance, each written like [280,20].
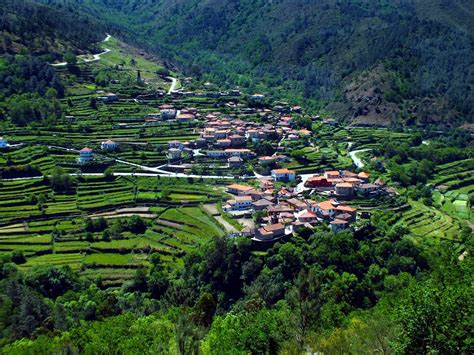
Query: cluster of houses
[346,183]
[284,210]
[228,137]
[170,113]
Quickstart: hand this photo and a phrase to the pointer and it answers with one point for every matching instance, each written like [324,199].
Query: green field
[54,234]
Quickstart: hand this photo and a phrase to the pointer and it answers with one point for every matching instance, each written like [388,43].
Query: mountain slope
[383,62]
[27,26]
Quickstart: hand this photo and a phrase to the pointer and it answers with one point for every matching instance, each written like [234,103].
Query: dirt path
[229,228]
[211,209]
[248,222]
[84,58]
[118,215]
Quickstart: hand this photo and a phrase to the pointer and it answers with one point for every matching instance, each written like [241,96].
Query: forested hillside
[373,62]
[33,35]
[27,26]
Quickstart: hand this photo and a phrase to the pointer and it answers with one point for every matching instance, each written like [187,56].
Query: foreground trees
[359,293]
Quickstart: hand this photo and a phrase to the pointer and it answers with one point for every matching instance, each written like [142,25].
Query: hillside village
[194,162]
[281,201]
[236,177]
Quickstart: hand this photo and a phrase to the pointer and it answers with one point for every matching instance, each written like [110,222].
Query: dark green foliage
[20,74]
[436,316]
[30,90]
[45,29]
[51,281]
[61,181]
[95,225]
[15,171]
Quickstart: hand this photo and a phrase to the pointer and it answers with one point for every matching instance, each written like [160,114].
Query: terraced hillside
[49,227]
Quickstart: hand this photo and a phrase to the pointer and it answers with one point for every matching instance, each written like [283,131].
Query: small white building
[108,145]
[240,203]
[85,155]
[3,142]
[283,175]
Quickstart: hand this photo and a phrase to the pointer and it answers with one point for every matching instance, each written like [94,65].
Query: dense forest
[374,62]
[26,26]
[32,35]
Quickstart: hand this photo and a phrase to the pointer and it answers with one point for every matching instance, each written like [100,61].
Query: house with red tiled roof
[297,204]
[332,174]
[261,204]
[363,176]
[338,225]
[239,190]
[367,189]
[307,216]
[185,117]
[280,208]
[86,155]
[271,231]
[348,174]
[345,212]
[325,209]
[317,181]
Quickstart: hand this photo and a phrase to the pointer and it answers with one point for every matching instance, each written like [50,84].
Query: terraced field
[54,232]
[426,222]
[455,182]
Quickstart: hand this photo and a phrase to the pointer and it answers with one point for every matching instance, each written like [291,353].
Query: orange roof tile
[346,208]
[326,205]
[239,187]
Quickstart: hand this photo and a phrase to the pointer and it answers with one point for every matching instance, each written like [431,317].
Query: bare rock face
[378,97]
[364,101]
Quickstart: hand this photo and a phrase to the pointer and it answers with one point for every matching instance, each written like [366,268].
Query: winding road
[357,161]
[84,58]
[174,83]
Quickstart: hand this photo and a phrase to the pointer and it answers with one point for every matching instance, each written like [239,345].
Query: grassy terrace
[54,232]
[443,220]
[429,222]
[455,181]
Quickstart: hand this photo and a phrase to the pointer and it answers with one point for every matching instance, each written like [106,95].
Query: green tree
[70,58]
[51,281]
